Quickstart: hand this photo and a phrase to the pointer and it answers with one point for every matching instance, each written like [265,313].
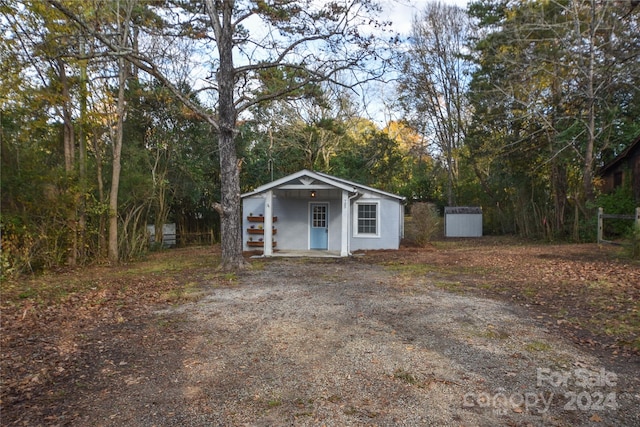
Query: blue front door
[318,224]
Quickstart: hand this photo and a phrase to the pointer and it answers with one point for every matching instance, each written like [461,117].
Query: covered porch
[304,214]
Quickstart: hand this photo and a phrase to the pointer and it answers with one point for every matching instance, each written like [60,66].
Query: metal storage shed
[462,221]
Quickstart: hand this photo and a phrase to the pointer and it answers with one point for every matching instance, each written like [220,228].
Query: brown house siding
[624,168]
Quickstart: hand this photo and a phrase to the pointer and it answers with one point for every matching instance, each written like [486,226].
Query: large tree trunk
[230,221]
[230,204]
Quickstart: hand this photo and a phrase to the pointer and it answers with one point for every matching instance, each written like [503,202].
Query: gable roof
[621,157]
[307,179]
[364,187]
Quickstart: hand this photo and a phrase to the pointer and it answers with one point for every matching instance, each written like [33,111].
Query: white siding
[291,203]
[389,225]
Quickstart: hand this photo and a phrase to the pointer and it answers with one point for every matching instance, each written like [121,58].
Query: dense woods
[119,114]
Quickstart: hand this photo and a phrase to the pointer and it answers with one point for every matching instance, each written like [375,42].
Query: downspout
[402,206]
[350,222]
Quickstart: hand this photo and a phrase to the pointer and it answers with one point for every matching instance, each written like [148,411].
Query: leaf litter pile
[74,338]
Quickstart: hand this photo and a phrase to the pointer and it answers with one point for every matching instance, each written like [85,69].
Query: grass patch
[191,291]
[230,277]
[163,273]
[411,269]
[171,261]
[27,293]
[494,334]
[405,376]
[334,398]
[423,269]
[44,290]
[537,346]
[274,403]
[455,287]
[257,265]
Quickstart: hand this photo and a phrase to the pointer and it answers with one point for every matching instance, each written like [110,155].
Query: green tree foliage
[296,44]
[621,202]
[52,206]
[326,135]
[40,191]
[433,84]
[376,160]
[178,170]
[547,107]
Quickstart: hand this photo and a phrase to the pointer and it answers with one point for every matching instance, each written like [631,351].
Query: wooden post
[638,218]
[600,214]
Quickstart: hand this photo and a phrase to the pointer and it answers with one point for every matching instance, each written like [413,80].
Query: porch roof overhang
[304,180]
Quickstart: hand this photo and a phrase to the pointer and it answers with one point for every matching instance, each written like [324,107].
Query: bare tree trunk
[591,118]
[82,159]
[558,169]
[69,159]
[595,21]
[438,39]
[159,172]
[230,207]
[115,173]
[124,22]
[68,134]
[102,227]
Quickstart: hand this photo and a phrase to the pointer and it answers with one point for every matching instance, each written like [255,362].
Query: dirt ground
[463,333]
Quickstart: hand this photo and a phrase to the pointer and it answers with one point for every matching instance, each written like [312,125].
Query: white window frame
[356,218]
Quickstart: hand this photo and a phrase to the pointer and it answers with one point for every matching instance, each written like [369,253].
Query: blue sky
[401,12]
[378,98]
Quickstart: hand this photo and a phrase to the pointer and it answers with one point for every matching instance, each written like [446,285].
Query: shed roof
[463,210]
[307,178]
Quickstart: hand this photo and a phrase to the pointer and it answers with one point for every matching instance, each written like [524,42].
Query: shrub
[424,225]
[620,201]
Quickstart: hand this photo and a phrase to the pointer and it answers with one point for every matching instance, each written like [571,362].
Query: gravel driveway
[341,342]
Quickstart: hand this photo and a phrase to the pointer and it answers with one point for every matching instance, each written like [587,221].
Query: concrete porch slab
[303,254]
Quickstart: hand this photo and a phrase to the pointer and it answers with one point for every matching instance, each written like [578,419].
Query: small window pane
[319,216]
[367,218]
